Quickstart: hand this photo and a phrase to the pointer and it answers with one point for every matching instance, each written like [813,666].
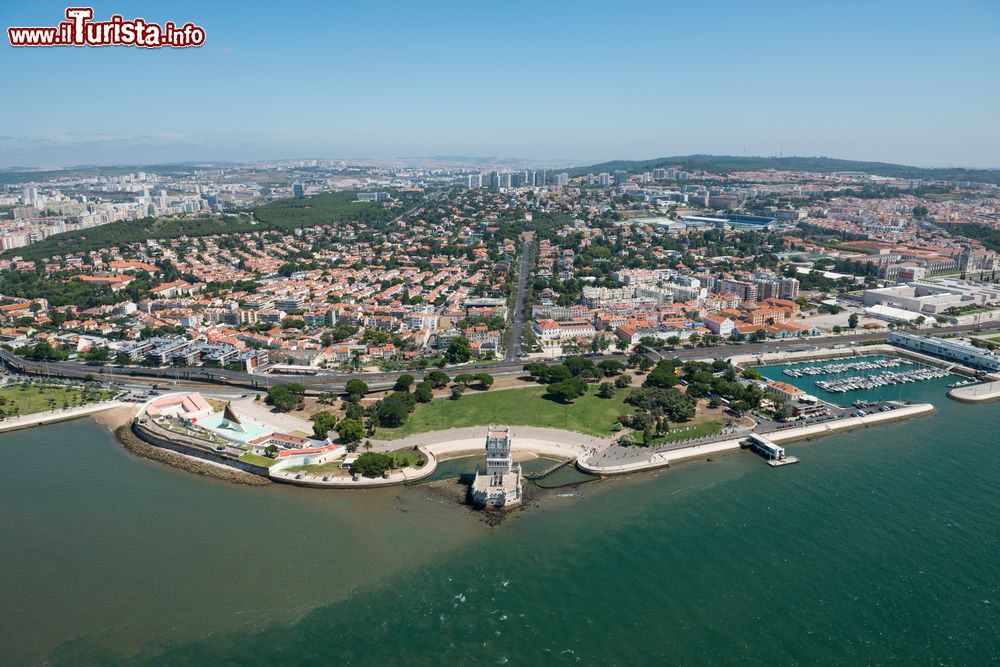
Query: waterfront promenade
[606,463]
[452,443]
[52,416]
[986,392]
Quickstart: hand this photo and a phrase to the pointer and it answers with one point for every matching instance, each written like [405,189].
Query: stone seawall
[143,442]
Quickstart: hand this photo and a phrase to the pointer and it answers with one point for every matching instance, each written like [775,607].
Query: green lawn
[257,460]
[587,414]
[331,468]
[407,458]
[686,431]
[23,399]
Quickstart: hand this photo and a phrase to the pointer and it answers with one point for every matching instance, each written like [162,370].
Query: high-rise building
[788,288]
[30,196]
[473,181]
[298,190]
[743,290]
[540,178]
[621,177]
[562,180]
[604,178]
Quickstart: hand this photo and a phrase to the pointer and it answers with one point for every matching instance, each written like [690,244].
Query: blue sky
[914,82]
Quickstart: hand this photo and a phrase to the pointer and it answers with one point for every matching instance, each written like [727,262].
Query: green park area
[517,407]
[257,460]
[331,468]
[26,398]
[697,428]
[403,458]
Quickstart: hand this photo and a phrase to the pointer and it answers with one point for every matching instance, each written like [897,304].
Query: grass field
[407,458]
[693,429]
[24,399]
[517,407]
[257,460]
[331,468]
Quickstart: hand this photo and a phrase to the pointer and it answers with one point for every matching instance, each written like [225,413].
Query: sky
[913,82]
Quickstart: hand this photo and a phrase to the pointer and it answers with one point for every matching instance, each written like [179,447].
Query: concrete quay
[986,392]
[661,459]
[404,476]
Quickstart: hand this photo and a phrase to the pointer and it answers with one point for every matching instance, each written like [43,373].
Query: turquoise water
[250,430]
[879,547]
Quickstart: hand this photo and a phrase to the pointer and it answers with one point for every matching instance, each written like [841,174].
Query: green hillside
[284,214]
[723,164]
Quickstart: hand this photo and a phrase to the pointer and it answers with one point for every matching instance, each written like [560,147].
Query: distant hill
[723,164]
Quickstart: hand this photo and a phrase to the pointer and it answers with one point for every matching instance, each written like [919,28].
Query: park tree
[351,430]
[404,382]
[611,367]
[567,390]
[281,399]
[438,378]
[372,464]
[852,321]
[664,375]
[456,392]
[323,421]
[484,380]
[424,392]
[581,367]
[356,389]
[392,411]
[459,351]
[606,390]
[556,373]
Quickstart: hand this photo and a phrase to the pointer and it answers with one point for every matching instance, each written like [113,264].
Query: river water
[880,546]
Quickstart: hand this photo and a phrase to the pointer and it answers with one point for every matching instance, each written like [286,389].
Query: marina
[885,379]
[843,367]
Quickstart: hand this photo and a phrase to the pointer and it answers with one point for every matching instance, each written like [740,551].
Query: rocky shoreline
[456,490]
[134,445]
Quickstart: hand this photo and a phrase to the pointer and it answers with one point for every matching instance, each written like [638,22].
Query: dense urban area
[390,285]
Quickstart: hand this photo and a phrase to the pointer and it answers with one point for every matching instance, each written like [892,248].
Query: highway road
[335,381]
[517,316]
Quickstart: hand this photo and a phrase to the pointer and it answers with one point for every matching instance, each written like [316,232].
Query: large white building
[953,350]
[935,296]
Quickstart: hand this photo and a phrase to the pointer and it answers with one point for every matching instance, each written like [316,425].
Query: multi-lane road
[517,317]
[335,381]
